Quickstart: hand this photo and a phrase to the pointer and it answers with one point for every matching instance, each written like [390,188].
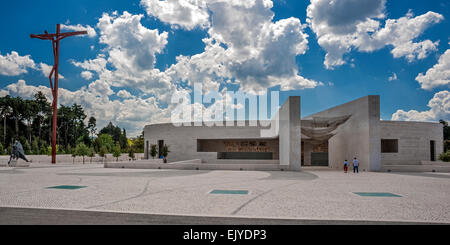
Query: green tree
[35,147]
[5,112]
[446,132]
[131,153]
[82,150]
[2,151]
[18,109]
[117,152]
[43,112]
[74,154]
[165,152]
[102,152]
[27,148]
[60,150]
[69,149]
[29,115]
[104,140]
[85,139]
[43,150]
[153,151]
[138,143]
[92,124]
[91,153]
[113,131]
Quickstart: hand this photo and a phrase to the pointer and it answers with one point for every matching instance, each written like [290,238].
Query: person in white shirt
[355,165]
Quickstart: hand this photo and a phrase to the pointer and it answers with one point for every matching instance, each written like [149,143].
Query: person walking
[345,166]
[355,165]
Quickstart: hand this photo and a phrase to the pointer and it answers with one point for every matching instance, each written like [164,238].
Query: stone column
[290,134]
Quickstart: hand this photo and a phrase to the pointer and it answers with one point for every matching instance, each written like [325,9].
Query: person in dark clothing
[17,152]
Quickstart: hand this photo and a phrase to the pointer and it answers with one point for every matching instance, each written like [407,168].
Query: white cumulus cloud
[91,31]
[187,14]
[132,113]
[87,75]
[13,64]
[393,77]
[439,109]
[46,69]
[131,45]
[438,75]
[245,45]
[344,25]
[124,94]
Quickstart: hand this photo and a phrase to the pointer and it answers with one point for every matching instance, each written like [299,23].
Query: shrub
[102,152]
[74,154]
[58,150]
[81,150]
[165,152]
[27,148]
[117,152]
[445,157]
[43,150]
[153,151]
[35,147]
[91,153]
[131,153]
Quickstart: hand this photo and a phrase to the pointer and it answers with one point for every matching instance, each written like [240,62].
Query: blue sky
[363,69]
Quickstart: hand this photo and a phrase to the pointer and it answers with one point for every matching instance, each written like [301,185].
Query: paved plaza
[309,195]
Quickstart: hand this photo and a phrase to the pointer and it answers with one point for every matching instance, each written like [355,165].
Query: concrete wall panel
[359,136]
[290,133]
[413,141]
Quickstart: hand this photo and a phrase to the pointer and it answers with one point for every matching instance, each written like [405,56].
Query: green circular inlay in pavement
[233,192]
[66,187]
[376,194]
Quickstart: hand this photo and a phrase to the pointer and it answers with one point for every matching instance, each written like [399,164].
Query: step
[416,168]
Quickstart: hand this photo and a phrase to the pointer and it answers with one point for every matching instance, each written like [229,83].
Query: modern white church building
[327,138]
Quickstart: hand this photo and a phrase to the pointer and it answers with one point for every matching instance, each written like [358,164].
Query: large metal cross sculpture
[55,38]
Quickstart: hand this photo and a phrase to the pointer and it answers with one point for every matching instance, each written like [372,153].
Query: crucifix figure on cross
[55,38]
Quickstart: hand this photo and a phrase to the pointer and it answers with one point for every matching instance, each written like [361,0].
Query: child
[345,166]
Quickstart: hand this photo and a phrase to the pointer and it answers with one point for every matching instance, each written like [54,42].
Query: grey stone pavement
[131,196]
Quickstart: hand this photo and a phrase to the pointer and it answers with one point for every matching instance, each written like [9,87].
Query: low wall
[69,159]
[440,163]
[237,161]
[416,168]
[134,164]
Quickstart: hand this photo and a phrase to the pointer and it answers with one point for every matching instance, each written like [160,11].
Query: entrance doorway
[432,150]
[160,147]
[146,150]
[319,158]
[319,154]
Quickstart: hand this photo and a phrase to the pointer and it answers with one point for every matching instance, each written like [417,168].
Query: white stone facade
[360,136]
